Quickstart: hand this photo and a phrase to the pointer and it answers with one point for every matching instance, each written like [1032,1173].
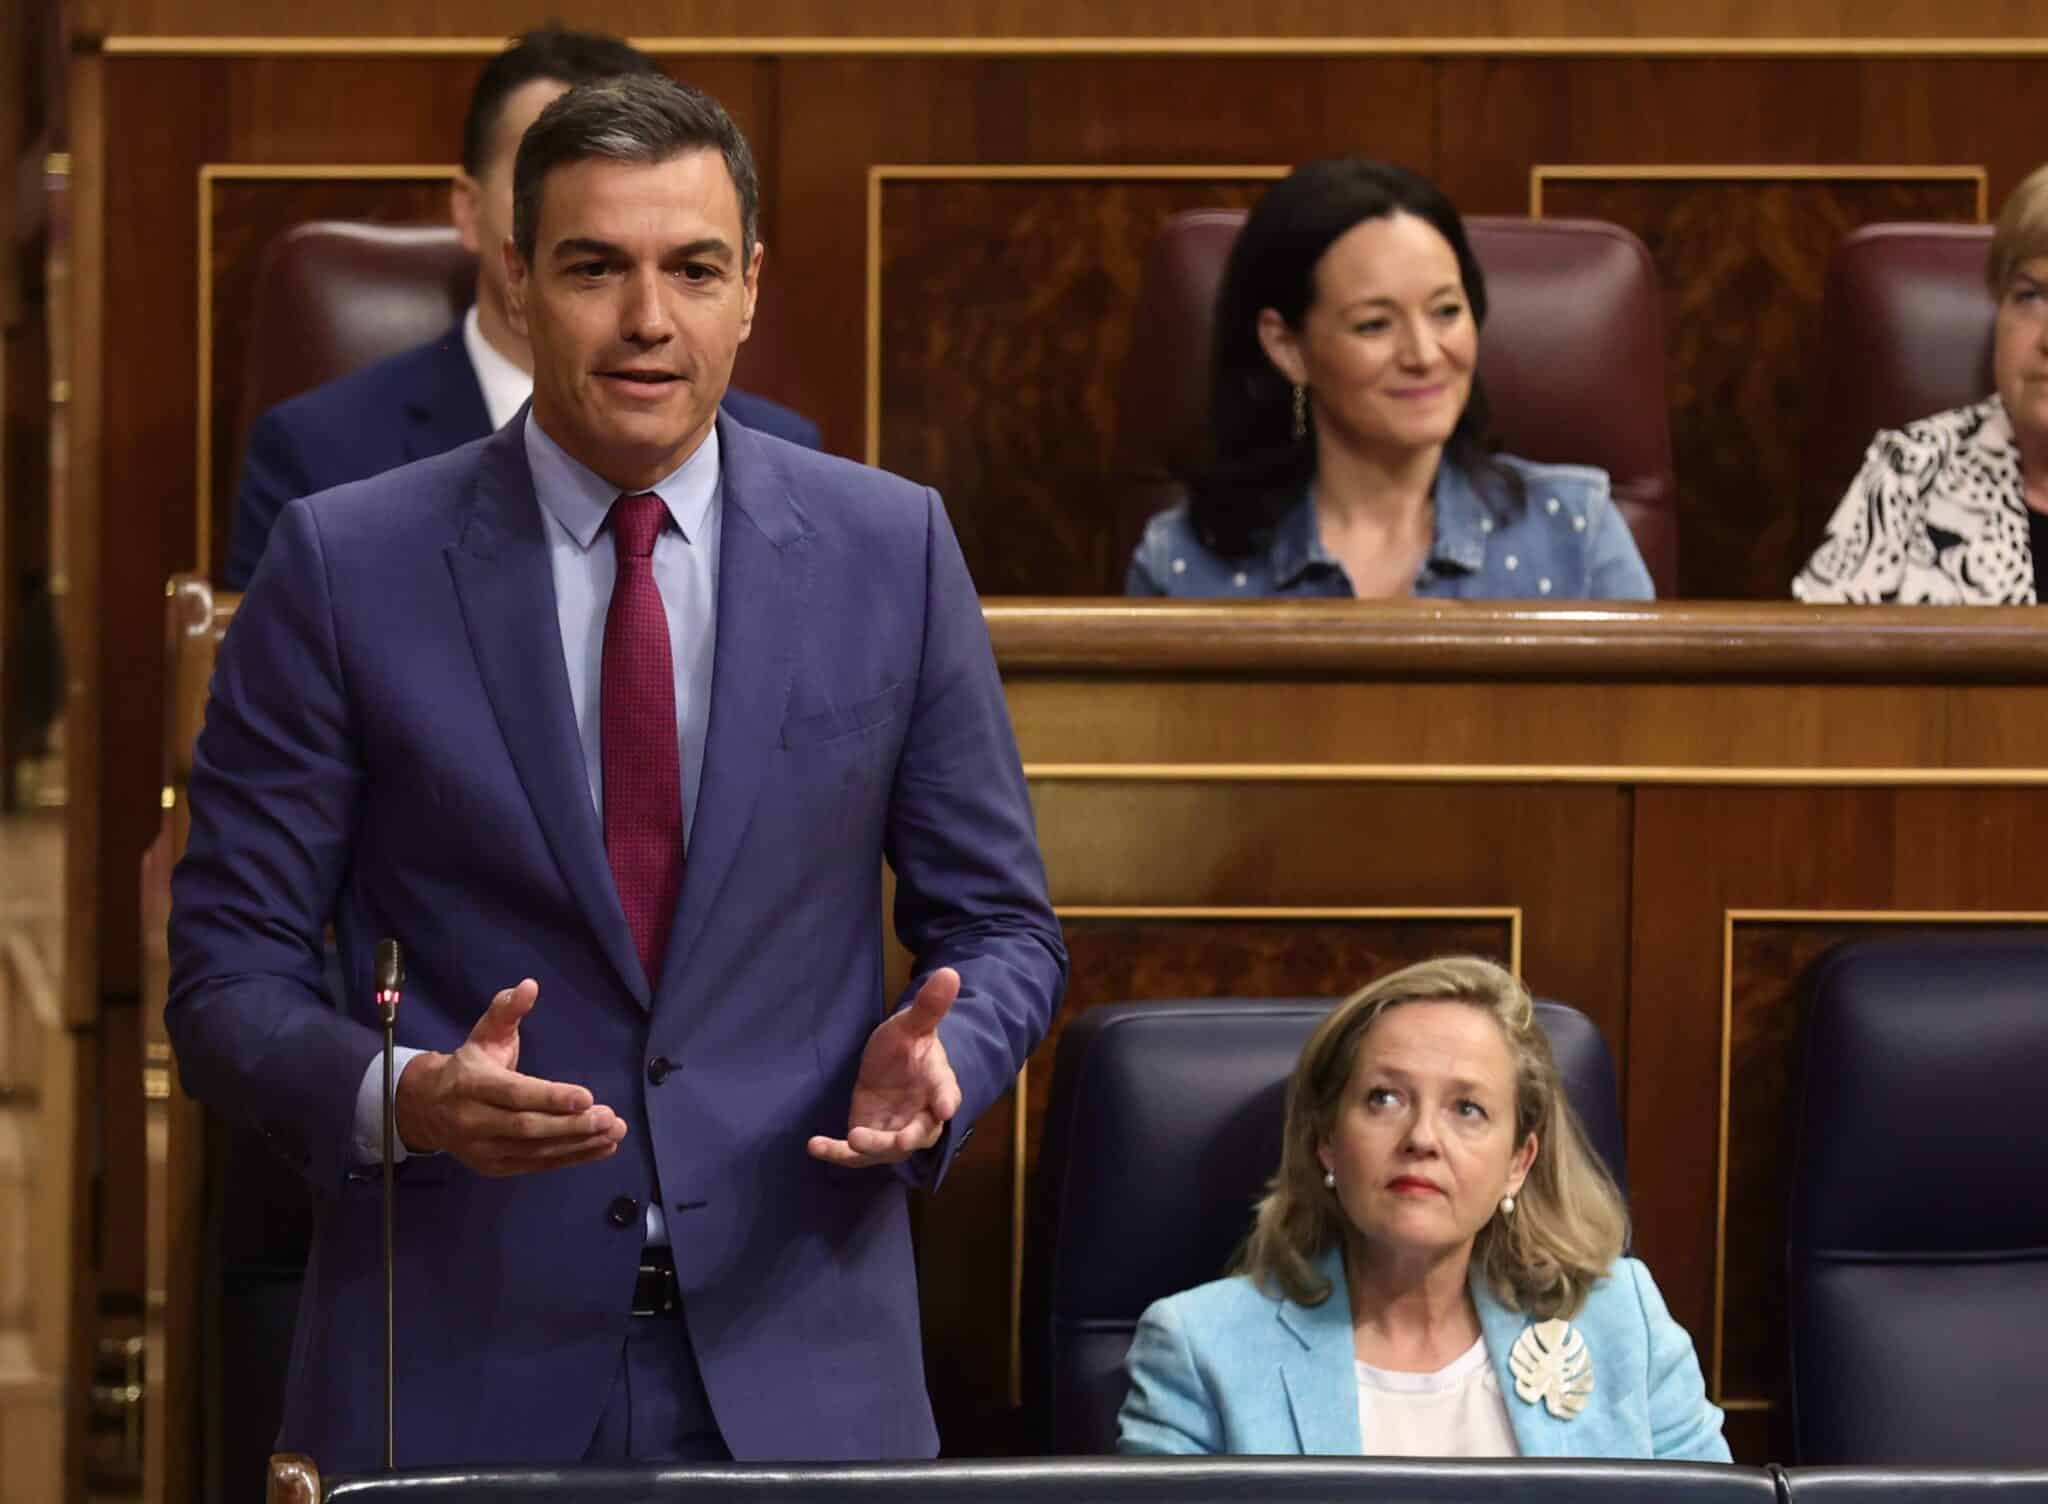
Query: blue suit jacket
[410,406]
[1226,1367]
[390,740]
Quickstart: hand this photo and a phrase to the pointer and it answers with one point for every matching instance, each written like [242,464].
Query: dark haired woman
[1349,430]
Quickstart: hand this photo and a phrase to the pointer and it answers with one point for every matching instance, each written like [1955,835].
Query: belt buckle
[654,1288]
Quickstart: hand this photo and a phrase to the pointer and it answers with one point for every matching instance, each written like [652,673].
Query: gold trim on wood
[215,172]
[145,45]
[1297,913]
[1634,773]
[1762,172]
[880,173]
[1730,918]
[1019,1102]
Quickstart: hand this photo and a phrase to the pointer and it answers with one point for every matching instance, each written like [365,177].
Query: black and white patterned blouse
[1937,516]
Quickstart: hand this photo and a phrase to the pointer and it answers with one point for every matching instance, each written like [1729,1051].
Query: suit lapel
[1321,1383]
[506,589]
[763,580]
[1537,1432]
[444,406]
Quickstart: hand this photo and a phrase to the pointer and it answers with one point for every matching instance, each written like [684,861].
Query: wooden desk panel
[1674,809]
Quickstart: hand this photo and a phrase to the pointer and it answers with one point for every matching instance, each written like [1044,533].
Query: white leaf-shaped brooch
[1550,1363]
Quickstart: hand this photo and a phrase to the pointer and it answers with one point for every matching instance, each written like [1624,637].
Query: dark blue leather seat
[1156,1480]
[1918,1233]
[1859,1485]
[1163,1128]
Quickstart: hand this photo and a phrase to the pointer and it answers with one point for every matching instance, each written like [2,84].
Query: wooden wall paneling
[81,548]
[1735,891]
[1006,112]
[1005,320]
[831,132]
[1035,280]
[1198,839]
[1487,22]
[182,110]
[1527,731]
[1741,262]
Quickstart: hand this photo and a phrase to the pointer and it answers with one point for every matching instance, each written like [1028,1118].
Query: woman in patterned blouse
[1348,427]
[1953,510]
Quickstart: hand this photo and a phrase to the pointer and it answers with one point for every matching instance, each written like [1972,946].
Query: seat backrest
[1905,331]
[1185,1480]
[1163,1128]
[1856,1485]
[1572,357]
[333,296]
[1918,1229]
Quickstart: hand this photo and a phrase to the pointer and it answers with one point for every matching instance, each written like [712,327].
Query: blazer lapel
[1321,1382]
[445,407]
[1537,1432]
[763,580]
[506,589]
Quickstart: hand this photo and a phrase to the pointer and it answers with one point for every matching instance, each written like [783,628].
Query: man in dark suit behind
[470,380]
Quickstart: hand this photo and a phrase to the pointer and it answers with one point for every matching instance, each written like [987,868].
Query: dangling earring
[1507,1206]
[1300,412]
[1329,1180]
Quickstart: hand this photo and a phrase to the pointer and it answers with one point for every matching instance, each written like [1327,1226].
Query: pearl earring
[1507,1206]
[1329,1180]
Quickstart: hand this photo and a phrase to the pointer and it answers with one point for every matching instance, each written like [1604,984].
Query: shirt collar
[580,499]
[1462,522]
[1458,532]
[1995,435]
[505,386]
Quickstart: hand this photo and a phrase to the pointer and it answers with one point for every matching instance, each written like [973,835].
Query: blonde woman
[1952,510]
[1436,1270]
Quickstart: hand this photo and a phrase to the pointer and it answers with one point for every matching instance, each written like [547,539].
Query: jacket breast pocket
[808,728]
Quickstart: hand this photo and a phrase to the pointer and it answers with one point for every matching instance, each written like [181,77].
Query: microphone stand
[390,980]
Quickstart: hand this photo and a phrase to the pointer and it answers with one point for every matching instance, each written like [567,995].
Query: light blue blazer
[1227,1368]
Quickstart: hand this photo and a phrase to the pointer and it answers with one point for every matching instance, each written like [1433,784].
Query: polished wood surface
[1662,814]
[1490,20]
[1595,642]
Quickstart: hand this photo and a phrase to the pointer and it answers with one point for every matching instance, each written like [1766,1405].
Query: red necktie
[643,768]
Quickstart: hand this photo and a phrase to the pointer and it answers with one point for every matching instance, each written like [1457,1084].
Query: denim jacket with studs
[1566,542]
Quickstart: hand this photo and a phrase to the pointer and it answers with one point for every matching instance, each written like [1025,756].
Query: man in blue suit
[472,379]
[612,718]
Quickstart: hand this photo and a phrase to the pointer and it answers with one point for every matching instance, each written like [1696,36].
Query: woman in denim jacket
[1349,428]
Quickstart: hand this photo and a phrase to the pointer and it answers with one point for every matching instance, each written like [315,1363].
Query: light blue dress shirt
[574,503]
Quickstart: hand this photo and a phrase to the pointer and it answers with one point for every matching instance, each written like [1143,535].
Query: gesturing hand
[475,1105]
[906,1092]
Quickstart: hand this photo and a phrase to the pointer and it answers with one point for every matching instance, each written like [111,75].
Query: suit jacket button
[658,1069]
[623,1212]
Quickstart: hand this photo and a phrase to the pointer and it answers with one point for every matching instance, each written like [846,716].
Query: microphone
[390,981]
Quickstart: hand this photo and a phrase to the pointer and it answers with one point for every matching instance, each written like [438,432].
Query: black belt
[654,1291]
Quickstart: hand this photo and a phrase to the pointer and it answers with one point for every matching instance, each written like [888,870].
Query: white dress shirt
[574,503]
[505,386]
